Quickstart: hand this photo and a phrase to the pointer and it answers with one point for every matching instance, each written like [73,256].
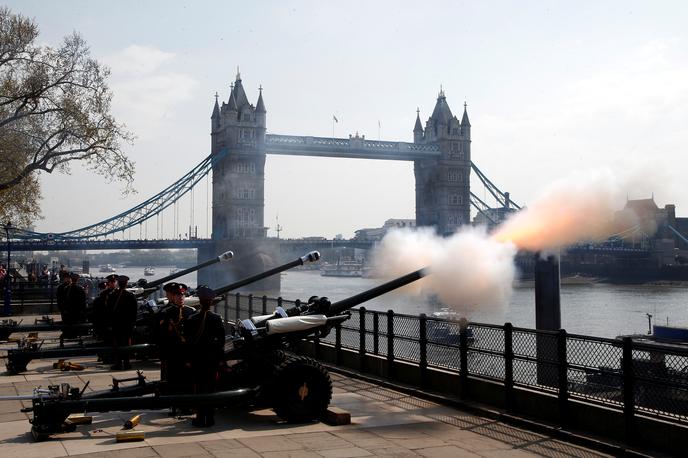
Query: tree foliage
[54,109]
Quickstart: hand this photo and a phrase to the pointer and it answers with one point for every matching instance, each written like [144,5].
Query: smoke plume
[580,207]
[474,269]
[467,270]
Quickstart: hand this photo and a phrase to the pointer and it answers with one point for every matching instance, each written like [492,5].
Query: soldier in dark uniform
[122,308]
[61,293]
[99,316]
[73,308]
[76,300]
[205,338]
[174,364]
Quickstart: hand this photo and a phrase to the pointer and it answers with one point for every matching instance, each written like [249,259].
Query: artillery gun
[143,288]
[261,372]
[147,320]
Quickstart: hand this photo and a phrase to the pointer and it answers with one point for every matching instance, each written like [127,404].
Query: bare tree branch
[54,110]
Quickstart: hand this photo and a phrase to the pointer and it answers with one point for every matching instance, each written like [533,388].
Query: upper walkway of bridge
[354,147]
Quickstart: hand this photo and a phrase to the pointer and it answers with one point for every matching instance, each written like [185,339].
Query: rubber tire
[294,404]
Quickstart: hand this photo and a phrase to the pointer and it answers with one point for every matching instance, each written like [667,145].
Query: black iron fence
[620,374]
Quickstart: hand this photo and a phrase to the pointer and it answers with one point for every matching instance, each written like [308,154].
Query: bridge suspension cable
[138,214]
[494,190]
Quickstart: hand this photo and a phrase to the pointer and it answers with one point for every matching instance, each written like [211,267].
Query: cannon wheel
[303,390]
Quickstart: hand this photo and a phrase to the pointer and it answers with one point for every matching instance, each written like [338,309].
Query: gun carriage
[260,370]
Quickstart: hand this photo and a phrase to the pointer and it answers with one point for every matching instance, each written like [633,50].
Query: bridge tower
[238,144]
[442,184]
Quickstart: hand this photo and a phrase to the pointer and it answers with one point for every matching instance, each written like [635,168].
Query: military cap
[112,277]
[176,288]
[122,278]
[205,292]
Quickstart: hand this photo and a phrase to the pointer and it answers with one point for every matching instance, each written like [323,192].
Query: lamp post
[7,310]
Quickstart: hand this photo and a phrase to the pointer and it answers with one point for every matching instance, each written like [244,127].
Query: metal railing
[620,374]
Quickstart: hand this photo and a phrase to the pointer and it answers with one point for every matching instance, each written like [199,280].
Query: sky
[552,88]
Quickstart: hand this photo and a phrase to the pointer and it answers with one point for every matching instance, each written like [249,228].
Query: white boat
[343,268]
[107,268]
[148,271]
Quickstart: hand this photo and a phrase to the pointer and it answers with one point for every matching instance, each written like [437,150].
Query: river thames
[599,309]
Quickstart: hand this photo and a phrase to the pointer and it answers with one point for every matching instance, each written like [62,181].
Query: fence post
[361,338]
[237,305]
[628,388]
[463,356]
[423,348]
[376,333]
[338,344]
[226,308]
[390,343]
[563,377]
[250,305]
[265,305]
[509,367]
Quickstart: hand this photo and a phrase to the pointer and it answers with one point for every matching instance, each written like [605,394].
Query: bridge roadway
[75,244]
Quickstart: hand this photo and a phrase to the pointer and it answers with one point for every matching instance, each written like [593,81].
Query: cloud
[147,86]
[627,112]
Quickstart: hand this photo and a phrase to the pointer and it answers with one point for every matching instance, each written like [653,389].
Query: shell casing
[133,421]
[130,436]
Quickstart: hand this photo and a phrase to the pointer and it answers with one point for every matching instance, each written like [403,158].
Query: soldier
[76,300]
[205,337]
[100,313]
[122,308]
[61,293]
[174,366]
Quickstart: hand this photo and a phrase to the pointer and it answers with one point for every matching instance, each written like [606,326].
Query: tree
[54,110]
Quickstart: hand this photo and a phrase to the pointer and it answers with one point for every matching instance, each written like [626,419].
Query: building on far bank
[377,233]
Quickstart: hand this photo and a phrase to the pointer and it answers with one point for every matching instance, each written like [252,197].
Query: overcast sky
[551,87]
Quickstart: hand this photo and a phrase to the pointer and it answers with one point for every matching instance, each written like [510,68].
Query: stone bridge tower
[238,145]
[442,184]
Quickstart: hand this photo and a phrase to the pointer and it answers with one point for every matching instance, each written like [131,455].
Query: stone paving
[384,423]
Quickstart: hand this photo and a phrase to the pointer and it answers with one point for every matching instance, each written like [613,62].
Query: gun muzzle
[312,256]
[226,256]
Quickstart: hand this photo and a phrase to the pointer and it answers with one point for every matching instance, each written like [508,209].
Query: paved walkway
[384,423]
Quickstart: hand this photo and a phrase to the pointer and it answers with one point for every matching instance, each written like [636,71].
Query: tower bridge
[440,152]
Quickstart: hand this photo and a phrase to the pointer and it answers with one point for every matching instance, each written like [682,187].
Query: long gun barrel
[308,257]
[345,304]
[226,256]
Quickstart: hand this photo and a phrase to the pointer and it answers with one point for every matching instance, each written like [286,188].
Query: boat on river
[343,268]
[148,271]
[109,268]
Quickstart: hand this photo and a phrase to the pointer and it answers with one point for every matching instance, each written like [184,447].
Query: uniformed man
[174,364]
[76,301]
[122,308]
[205,337]
[61,293]
[99,314]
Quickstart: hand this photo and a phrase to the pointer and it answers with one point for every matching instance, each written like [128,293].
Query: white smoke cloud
[468,270]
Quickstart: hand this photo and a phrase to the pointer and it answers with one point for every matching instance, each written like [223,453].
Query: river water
[598,309]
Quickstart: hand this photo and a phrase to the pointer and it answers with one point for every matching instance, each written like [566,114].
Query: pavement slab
[384,422]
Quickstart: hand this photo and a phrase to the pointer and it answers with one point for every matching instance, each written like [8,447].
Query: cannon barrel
[345,304]
[308,257]
[226,256]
